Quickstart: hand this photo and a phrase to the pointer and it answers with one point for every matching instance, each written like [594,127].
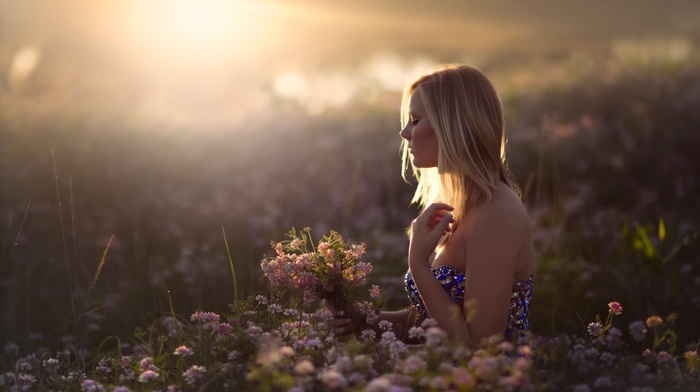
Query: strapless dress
[452,280]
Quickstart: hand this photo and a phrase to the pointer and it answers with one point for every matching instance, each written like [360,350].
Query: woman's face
[419,134]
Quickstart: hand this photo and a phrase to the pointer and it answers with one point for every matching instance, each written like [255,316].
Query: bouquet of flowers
[331,271]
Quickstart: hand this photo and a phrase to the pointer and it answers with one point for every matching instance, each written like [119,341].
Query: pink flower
[462,378]
[224,328]
[147,376]
[374,291]
[207,317]
[146,363]
[183,351]
[333,379]
[194,374]
[615,308]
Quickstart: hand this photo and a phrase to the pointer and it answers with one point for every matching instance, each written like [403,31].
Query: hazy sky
[198,52]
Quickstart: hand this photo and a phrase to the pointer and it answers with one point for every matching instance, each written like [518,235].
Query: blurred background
[132,132]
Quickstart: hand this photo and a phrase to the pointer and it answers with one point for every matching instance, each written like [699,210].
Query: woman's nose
[405,133]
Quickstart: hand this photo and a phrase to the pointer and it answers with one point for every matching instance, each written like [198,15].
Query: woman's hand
[342,323]
[426,231]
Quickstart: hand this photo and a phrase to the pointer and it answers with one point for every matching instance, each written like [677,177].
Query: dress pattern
[452,280]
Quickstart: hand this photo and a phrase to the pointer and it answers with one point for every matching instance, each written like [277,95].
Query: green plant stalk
[230,262]
[14,244]
[63,235]
[172,314]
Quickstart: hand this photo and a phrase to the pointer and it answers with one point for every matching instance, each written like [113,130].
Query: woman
[470,259]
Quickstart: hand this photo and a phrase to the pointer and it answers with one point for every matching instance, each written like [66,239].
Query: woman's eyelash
[413,121]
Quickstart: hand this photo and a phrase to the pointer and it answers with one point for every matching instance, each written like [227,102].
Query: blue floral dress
[452,280]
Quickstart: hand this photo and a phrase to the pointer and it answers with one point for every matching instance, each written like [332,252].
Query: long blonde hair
[467,117]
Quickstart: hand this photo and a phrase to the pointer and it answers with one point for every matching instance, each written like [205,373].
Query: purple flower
[147,376]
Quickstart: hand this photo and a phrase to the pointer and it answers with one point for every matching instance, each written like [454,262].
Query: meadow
[130,256]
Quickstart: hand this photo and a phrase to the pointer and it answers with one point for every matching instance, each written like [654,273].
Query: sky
[186,59]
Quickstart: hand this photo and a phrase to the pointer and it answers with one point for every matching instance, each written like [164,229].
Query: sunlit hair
[467,117]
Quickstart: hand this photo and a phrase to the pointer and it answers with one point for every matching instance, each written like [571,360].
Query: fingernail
[449,216]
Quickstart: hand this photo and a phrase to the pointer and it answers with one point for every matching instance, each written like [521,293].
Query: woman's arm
[491,245]
[401,321]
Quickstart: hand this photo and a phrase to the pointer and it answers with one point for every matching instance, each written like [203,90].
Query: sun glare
[196,30]
[199,21]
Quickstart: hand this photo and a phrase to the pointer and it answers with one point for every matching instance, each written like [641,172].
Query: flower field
[130,257]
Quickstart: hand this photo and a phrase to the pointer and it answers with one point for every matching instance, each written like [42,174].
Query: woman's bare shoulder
[505,212]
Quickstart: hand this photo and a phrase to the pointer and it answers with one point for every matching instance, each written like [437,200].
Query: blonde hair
[467,117]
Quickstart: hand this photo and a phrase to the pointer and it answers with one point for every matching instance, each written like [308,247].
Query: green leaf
[662,230]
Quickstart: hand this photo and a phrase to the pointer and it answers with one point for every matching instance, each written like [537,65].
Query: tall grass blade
[174,317]
[102,263]
[230,262]
[63,234]
[14,244]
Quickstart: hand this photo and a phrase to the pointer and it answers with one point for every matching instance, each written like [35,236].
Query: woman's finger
[439,206]
[341,322]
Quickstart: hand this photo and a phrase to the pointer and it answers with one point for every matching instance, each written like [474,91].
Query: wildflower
[615,308]
[92,386]
[603,382]
[261,299]
[522,364]
[654,321]
[333,379]
[274,308]
[304,367]
[438,382]
[462,378]
[385,325]
[416,332]
[183,351]
[209,319]
[582,388]
[505,346]
[612,340]
[121,389]
[374,291]
[648,354]
[147,376]
[594,329]
[663,358]
[380,384]
[233,355]
[25,381]
[525,351]
[287,351]
[607,358]
[368,334]
[427,323]
[50,363]
[23,366]
[11,348]
[483,367]
[637,330]
[146,364]
[434,336]
[413,364]
[194,374]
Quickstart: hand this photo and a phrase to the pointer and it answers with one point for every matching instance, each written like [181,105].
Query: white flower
[333,379]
